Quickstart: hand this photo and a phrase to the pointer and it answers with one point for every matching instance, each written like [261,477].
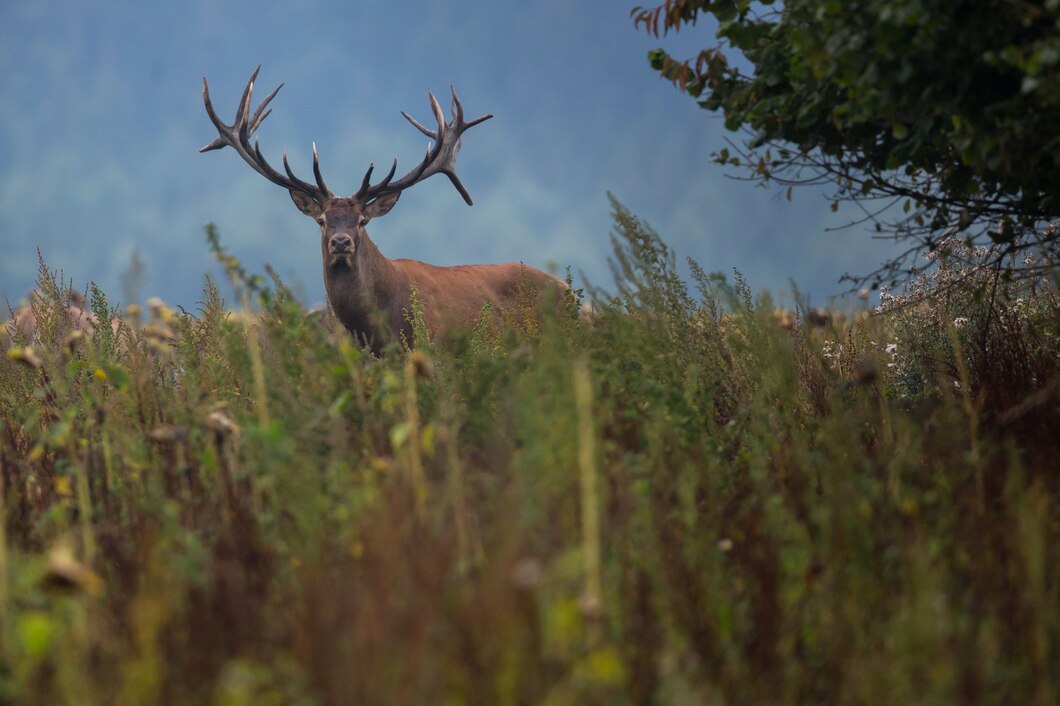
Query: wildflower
[161,332]
[832,351]
[25,355]
[36,453]
[159,337]
[100,374]
[221,424]
[959,322]
[892,350]
[63,486]
[66,572]
[73,339]
[159,310]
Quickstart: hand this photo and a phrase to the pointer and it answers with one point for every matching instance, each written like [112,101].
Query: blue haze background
[101,118]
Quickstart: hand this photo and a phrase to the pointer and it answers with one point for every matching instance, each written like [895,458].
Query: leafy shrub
[967,327]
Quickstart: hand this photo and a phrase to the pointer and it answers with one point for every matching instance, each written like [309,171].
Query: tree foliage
[935,117]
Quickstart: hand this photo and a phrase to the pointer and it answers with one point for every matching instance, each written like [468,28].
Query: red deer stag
[369,293]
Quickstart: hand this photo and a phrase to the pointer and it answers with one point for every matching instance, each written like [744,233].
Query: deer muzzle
[340,244]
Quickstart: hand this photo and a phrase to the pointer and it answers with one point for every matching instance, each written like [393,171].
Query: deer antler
[238,134]
[440,157]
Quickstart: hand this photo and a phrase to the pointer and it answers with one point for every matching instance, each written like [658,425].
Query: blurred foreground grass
[684,503]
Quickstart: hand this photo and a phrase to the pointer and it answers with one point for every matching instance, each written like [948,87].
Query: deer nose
[340,243]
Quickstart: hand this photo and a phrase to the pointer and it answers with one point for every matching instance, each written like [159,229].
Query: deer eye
[320,221]
[363,221]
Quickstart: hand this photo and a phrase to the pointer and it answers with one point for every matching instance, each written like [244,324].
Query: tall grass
[682,503]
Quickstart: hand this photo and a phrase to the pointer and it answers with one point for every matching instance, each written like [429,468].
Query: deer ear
[306,203]
[382,205]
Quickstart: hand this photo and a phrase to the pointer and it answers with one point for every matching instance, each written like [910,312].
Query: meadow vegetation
[683,503]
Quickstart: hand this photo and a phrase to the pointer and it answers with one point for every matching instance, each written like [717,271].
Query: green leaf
[657,59]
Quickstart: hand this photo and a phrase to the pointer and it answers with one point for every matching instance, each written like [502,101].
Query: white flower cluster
[892,350]
[832,351]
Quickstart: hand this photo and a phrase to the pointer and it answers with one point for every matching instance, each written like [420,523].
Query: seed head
[25,355]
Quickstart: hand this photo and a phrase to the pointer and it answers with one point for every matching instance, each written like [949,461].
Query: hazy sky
[101,118]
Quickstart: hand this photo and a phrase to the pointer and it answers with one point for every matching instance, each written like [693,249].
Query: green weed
[677,502]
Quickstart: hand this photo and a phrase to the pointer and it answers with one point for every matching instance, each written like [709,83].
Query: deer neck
[367,293]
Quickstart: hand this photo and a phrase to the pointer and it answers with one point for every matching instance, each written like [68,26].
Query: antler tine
[316,171]
[302,185]
[367,192]
[460,187]
[366,183]
[390,174]
[238,134]
[458,114]
[258,118]
[244,102]
[440,157]
[429,133]
[476,121]
[220,141]
[438,114]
